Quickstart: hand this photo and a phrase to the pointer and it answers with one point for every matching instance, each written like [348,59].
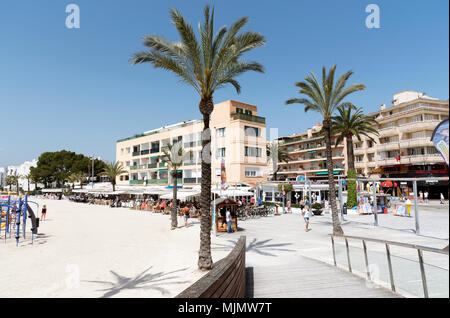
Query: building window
[239,110]
[248,112]
[128,150]
[221,132]
[220,153]
[252,152]
[128,164]
[252,172]
[252,131]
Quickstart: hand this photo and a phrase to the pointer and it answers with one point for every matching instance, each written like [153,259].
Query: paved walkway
[289,262]
[307,278]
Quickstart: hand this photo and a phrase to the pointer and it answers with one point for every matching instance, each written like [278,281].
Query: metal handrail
[419,248]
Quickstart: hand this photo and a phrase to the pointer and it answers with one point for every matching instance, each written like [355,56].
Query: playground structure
[14,213]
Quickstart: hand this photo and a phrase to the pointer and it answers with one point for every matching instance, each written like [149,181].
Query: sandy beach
[96,251]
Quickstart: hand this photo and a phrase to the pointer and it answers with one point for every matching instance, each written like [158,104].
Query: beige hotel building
[238,137]
[404,148]
[307,156]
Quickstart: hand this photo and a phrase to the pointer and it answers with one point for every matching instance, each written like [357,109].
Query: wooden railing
[225,280]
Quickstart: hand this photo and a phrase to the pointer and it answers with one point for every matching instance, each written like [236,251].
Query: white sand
[128,253]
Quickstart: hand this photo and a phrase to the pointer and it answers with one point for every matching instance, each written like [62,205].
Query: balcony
[157,181]
[419,125]
[133,167]
[247,117]
[145,152]
[162,165]
[136,153]
[190,180]
[152,165]
[416,142]
[154,150]
[134,182]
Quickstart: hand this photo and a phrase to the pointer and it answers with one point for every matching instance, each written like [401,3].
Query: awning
[312,151]
[325,173]
[181,195]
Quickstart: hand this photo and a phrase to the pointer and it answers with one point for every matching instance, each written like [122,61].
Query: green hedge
[351,189]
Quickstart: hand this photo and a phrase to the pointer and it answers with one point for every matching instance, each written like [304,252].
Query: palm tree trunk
[113,185]
[204,255]
[174,201]
[337,229]
[350,153]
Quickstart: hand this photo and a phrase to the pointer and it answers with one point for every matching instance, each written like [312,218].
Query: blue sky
[75,89]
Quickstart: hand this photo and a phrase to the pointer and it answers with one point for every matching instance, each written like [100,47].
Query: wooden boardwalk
[307,278]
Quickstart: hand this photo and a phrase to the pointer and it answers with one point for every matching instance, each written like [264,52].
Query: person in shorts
[43,212]
[306,215]
[186,215]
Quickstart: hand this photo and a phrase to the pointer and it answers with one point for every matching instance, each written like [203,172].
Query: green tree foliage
[57,166]
[287,187]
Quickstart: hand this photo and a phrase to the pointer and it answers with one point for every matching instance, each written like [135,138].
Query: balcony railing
[154,150]
[247,117]
[133,167]
[145,152]
[136,153]
[162,164]
[157,181]
[152,165]
[190,180]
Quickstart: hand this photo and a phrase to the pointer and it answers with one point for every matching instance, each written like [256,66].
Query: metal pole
[416,208]
[282,196]
[422,271]
[334,253]
[375,210]
[214,216]
[366,259]
[391,274]
[348,256]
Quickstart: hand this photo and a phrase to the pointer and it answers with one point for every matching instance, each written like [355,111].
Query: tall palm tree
[277,154]
[72,178]
[174,156]
[112,171]
[13,179]
[81,177]
[347,124]
[325,98]
[207,65]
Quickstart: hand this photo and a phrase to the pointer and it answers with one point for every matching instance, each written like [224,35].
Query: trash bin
[344,208]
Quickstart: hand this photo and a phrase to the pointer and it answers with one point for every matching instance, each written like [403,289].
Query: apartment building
[404,147]
[307,155]
[238,139]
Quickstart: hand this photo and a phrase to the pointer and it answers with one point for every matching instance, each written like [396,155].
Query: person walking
[442,198]
[43,212]
[186,215]
[228,219]
[306,215]
[420,196]
[289,206]
[426,196]
[302,205]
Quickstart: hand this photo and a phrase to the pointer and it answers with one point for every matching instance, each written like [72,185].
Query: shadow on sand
[144,280]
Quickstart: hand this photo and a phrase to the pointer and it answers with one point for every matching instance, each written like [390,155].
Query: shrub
[351,189]
[317,206]
[268,203]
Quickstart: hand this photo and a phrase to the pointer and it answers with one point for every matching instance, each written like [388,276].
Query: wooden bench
[225,280]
